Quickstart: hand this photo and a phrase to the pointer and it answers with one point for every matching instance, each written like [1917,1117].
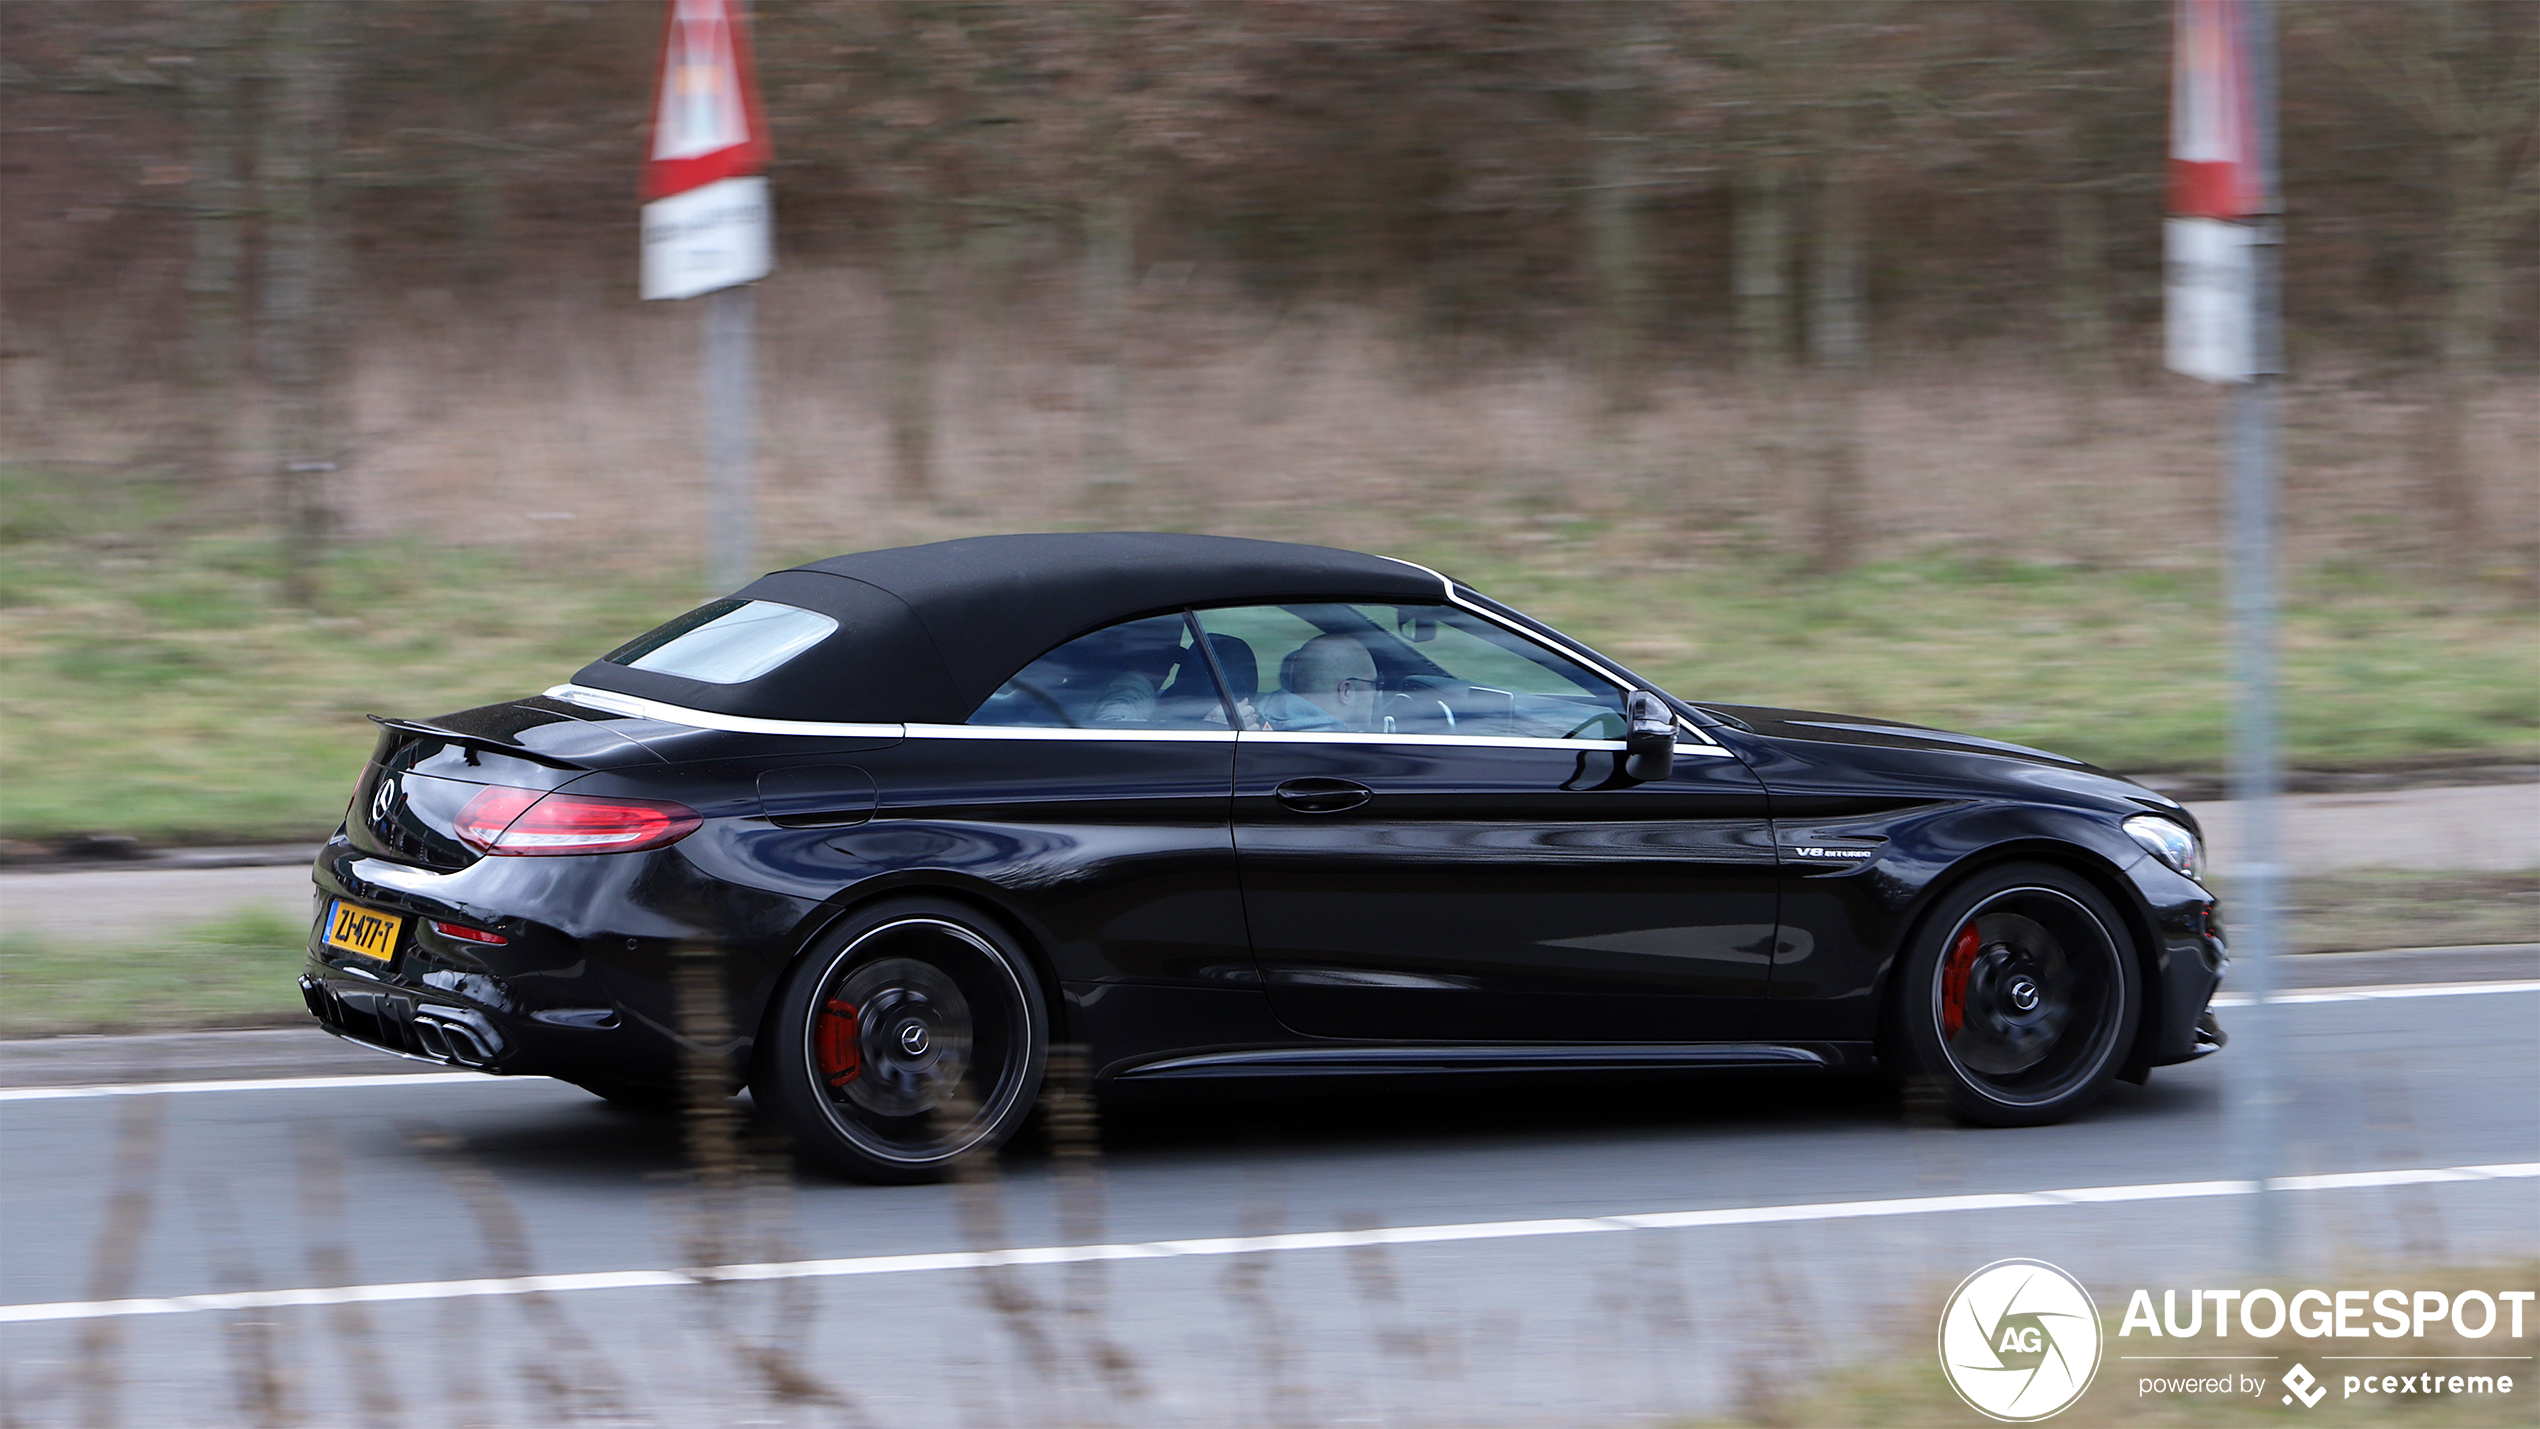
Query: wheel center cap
[913,1038]
[2023,994]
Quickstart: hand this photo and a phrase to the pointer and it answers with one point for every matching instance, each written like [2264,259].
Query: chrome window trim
[1275,736]
[637,707]
[1468,741]
[611,702]
[1465,741]
[1026,731]
[1563,645]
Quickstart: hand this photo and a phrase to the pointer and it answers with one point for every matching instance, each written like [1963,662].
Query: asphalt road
[2458,828]
[1534,1305]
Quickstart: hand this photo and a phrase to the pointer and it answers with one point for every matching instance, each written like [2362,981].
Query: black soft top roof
[925,633]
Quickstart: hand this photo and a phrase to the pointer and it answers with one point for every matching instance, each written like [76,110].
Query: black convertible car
[1214,808]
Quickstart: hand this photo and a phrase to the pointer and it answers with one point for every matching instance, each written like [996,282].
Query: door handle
[1322,796]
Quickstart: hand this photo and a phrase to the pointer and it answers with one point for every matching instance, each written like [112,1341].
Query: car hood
[1943,759]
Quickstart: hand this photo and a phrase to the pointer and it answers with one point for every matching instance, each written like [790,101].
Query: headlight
[2169,842]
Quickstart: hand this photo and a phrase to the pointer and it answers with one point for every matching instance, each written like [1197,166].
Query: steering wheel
[1416,712]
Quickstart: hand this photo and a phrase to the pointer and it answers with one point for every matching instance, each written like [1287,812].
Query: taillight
[482,819]
[526,822]
[466,934]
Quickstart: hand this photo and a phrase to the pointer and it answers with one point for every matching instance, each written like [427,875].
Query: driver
[1327,683]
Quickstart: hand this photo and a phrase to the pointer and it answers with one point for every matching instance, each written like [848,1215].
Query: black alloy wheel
[911,1034]
[2019,996]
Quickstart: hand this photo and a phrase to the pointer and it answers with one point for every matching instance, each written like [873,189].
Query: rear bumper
[408,1026]
[543,1002]
[579,985]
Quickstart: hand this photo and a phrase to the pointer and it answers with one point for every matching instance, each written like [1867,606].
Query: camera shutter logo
[2019,1341]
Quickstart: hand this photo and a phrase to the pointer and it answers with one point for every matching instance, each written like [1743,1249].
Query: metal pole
[730,401]
[2255,781]
[2256,775]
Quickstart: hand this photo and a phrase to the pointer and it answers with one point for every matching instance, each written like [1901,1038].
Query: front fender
[1845,928]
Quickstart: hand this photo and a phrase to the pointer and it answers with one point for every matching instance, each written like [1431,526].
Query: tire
[910,1035]
[2019,997]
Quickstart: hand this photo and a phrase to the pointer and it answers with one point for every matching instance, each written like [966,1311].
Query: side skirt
[1434,1059]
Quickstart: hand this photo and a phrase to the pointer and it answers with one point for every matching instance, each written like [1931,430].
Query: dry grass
[1906,1391]
[521,489]
[572,414]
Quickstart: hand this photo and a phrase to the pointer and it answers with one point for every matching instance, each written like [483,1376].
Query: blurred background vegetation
[1799,353]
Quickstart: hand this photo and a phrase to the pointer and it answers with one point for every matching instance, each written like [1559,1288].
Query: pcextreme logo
[2019,1341]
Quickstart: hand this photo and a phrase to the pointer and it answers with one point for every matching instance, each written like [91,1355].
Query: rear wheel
[912,1034]
[2020,996]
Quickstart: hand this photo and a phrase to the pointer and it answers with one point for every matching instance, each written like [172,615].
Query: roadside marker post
[707,232]
[2222,240]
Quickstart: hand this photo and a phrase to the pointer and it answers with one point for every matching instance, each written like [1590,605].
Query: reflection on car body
[1212,808]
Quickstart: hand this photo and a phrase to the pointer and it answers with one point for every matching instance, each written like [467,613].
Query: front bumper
[2188,966]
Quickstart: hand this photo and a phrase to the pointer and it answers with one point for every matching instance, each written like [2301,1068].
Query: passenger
[1144,655]
[1327,683]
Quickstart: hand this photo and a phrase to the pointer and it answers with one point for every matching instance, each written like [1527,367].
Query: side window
[1145,674]
[1404,669]
[726,642]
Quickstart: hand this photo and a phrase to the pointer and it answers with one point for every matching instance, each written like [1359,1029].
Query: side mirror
[1649,741]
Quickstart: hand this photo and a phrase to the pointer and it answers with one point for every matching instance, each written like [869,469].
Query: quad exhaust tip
[396,1022]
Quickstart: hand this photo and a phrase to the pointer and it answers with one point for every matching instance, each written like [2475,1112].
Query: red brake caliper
[1953,981]
[834,1043]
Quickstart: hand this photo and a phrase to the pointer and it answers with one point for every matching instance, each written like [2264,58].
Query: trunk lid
[422,773]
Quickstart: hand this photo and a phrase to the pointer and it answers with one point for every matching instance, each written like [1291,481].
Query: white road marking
[2366,994]
[249,1084]
[412,1079]
[1233,1245]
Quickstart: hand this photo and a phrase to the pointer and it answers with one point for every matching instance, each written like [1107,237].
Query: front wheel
[2019,997]
[911,1034]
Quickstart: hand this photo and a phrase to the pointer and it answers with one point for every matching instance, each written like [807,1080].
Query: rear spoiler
[477,741]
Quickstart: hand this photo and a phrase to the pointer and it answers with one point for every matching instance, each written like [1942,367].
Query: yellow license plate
[359,930]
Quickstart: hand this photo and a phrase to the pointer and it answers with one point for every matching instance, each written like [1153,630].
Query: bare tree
[2467,77]
[1850,50]
[476,137]
[1837,334]
[2101,66]
[905,122]
[1617,249]
[300,321]
[215,116]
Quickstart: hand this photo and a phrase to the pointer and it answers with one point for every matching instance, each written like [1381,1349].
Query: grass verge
[2393,908]
[151,685]
[235,971]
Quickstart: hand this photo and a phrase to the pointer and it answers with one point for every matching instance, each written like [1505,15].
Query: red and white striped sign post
[706,231]
[2222,240]
[705,191]
[2221,193]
